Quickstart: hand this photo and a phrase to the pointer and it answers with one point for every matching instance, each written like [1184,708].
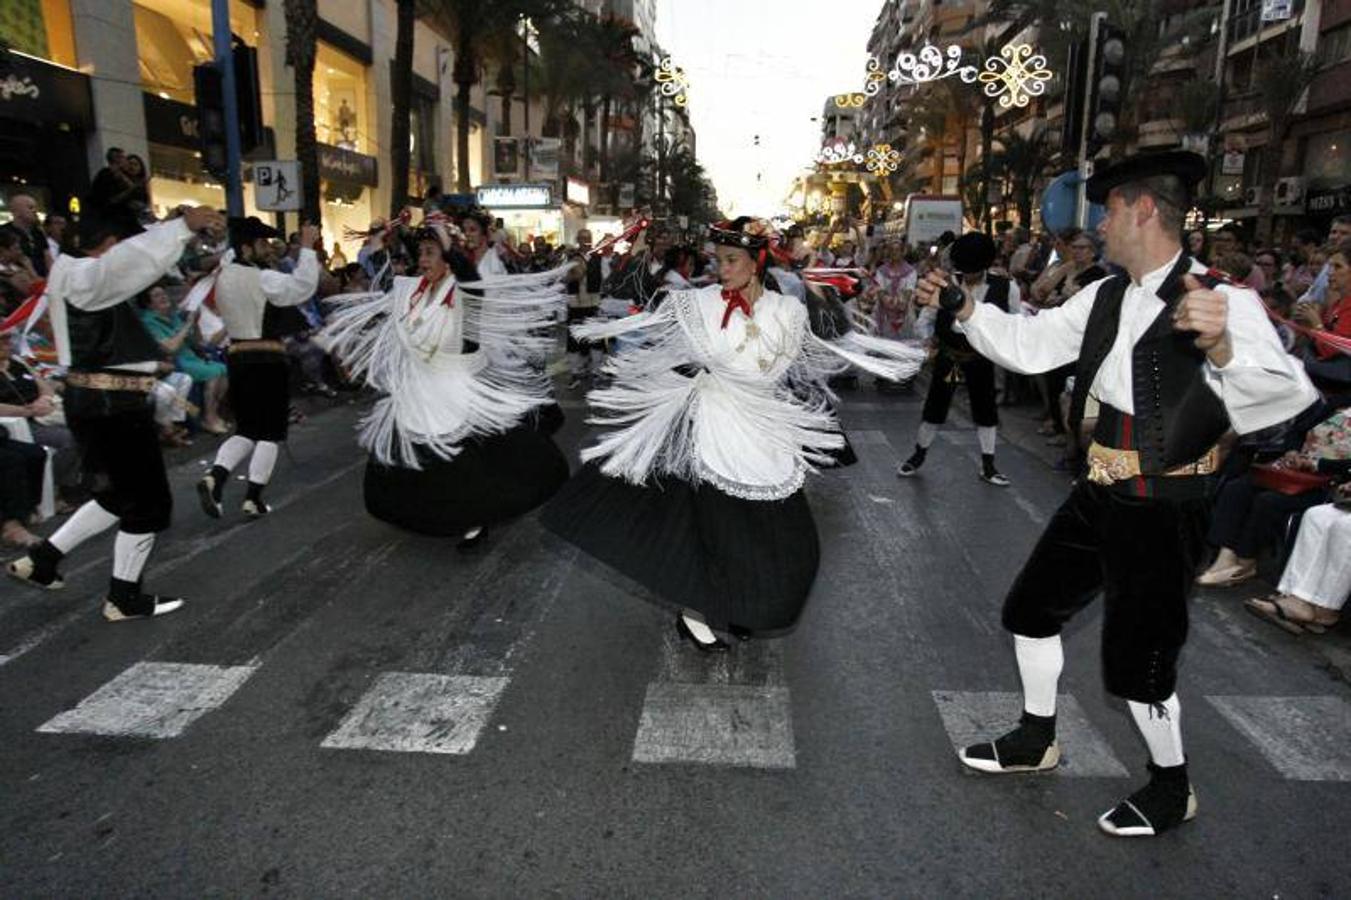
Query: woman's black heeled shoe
[684,630]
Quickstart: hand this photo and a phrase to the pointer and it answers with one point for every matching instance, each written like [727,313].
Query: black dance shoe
[684,631]
[255,509]
[143,606]
[1166,802]
[910,467]
[206,493]
[38,568]
[1031,747]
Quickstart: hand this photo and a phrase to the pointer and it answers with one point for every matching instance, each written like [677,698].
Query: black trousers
[978,373]
[1142,554]
[1248,518]
[21,467]
[576,315]
[123,465]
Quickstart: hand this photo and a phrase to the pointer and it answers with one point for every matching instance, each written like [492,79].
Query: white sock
[986,435]
[263,462]
[84,523]
[233,452]
[702,633]
[1039,663]
[1161,726]
[130,551]
[927,432]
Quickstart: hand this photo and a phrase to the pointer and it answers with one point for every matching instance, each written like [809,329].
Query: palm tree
[615,81]
[1281,82]
[302,20]
[1021,161]
[401,87]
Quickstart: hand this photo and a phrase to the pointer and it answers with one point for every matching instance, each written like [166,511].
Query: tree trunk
[302,17]
[506,85]
[1271,173]
[465,75]
[605,107]
[401,86]
[986,168]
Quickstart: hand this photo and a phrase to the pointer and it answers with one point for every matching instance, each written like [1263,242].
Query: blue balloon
[1058,200]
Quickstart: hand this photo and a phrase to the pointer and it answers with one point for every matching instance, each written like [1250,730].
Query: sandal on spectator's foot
[1166,802]
[1270,609]
[1213,577]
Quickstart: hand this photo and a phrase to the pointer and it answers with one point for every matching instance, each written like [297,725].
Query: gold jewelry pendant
[764,364]
[752,331]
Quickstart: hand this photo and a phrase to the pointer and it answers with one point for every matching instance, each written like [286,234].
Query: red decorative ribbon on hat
[846,280]
[735,300]
[625,235]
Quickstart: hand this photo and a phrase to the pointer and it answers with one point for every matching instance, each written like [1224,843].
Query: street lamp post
[221,43]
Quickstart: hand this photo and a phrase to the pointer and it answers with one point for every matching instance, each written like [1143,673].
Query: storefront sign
[170,122]
[627,195]
[1329,202]
[276,185]
[516,196]
[337,164]
[1232,164]
[40,92]
[1277,10]
[578,192]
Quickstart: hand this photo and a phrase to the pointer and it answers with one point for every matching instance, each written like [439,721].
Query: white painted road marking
[716,724]
[416,712]
[1305,738]
[152,699]
[971,717]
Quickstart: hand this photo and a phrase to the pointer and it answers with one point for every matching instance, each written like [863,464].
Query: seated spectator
[1248,516]
[1334,315]
[26,226]
[172,407]
[54,227]
[1238,266]
[1230,239]
[1198,245]
[1306,263]
[174,333]
[21,469]
[1317,579]
[26,395]
[17,277]
[1278,300]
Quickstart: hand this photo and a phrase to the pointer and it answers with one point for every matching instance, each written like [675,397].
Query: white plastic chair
[19,430]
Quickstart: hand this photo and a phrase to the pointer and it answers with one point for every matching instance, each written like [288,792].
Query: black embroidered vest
[104,338]
[956,344]
[1177,416]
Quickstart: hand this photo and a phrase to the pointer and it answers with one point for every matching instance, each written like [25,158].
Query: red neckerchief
[422,287]
[734,300]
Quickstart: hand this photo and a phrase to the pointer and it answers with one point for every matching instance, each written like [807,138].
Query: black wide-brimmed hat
[250,229]
[1187,167]
[972,252]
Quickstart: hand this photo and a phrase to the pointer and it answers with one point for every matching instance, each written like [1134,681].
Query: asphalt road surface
[344,709]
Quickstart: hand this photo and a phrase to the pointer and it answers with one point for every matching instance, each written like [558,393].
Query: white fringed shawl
[438,395]
[680,403]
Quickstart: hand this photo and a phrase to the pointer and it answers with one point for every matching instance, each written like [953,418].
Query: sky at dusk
[763,68]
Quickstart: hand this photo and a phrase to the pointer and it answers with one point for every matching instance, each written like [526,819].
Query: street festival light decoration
[1015,75]
[674,83]
[839,151]
[883,160]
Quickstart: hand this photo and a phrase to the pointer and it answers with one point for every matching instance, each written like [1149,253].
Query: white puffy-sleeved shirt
[99,282]
[243,293]
[1261,386]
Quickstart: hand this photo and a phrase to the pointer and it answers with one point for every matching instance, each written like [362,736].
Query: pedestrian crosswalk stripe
[716,724]
[1305,738]
[971,717]
[418,712]
[153,700]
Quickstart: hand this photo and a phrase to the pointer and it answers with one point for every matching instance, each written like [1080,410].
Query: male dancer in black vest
[1175,358]
[112,364]
[248,299]
[972,254]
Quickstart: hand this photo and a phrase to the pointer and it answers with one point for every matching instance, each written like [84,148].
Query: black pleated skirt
[489,481]
[260,394]
[742,564]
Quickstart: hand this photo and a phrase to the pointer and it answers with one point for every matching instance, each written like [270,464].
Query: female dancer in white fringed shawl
[457,443]
[717,413]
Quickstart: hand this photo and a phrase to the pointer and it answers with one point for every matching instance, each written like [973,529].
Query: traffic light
[1105,86]
[247,90]
[1076,78]
[207,83]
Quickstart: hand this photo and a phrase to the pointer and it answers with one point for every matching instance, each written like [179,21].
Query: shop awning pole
[225,61]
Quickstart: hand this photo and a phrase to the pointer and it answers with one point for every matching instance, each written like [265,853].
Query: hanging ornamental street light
[838,152]
[883,160]
[674,83]
[1015,76]
[850,101]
